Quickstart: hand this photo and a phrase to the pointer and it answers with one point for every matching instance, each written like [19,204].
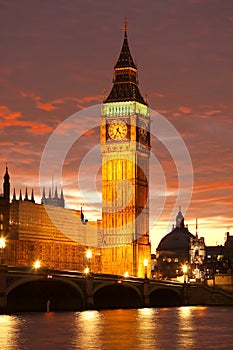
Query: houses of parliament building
[30,232]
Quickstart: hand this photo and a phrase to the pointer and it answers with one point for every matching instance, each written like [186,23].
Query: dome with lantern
[178,239]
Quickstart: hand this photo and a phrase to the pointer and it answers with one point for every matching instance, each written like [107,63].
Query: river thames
[193,328]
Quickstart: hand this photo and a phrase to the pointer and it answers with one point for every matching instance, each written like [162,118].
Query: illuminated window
[219,257]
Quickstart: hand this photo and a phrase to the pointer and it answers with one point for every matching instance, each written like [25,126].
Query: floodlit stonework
[59,237]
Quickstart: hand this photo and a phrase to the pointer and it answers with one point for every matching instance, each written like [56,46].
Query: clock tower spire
[125,149]
[125,80]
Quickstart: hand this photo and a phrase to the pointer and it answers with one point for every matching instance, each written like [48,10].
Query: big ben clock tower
[125,149]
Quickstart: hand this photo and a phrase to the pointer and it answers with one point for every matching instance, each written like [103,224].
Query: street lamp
[37,264]
[145,266]
[185,269]
[89,257]
[86,270]
[2,247]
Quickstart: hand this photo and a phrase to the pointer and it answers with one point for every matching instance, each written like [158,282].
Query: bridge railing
[48,272]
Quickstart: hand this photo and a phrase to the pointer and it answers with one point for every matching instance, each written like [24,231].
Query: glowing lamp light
[145,262]
[37,264]
[185,269]
[86,270]
[89,254]
[2,243]
[126,274]
[2,246]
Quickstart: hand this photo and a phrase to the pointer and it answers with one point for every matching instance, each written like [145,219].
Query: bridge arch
[112,295]
[162,296]
[57,294]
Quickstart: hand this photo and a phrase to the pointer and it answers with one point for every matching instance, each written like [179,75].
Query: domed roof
[178,238]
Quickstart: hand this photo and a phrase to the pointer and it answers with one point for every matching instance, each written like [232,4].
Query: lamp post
[185,269]
[145,266]
[86,270]
[89,257]
[2,247]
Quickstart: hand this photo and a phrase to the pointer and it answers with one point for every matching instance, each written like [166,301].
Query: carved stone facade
[197,250]
[54,235]
[120,243]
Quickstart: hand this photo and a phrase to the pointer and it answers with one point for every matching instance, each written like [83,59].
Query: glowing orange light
[37,264]
[86,270]
[2,243]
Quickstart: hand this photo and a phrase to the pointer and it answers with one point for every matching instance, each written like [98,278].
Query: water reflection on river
[193,328]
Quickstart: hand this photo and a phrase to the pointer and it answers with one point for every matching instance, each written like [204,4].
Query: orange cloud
[83,102]
[3,111]
[35,128]
[184,109]
[52,105]
[46,107]
[13,119]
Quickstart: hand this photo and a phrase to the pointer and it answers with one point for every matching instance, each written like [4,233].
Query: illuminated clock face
[117,130]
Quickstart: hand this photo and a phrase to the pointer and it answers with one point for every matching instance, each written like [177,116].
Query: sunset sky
[57,57]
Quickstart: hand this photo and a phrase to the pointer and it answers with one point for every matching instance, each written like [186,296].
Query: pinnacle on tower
[20,195]
[6,186]
[26,195]
[82,215]
[125,81]
[53,199]
[6,176]
[32,197]
[55,195]
[43,194]
[179,219]
[62,196]
[125,59]
[14,196]
[196,229]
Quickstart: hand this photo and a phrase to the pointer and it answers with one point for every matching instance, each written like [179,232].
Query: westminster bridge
[26,289]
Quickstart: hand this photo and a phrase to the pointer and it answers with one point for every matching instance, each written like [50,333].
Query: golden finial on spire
[125,24]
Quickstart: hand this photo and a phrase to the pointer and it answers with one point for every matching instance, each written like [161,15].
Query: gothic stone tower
[5,205]
[125,148]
